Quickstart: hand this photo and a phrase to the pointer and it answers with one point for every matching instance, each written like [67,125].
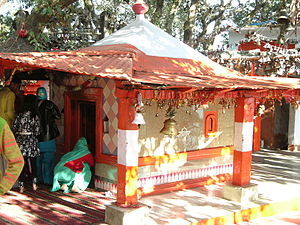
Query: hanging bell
[283,18]
[169,127]
[138,118]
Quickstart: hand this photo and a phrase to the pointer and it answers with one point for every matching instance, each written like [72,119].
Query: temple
[158,115]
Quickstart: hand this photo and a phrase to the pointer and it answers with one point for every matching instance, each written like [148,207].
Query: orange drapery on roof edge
[126,62]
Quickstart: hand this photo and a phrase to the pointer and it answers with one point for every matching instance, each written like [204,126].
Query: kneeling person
[73,173]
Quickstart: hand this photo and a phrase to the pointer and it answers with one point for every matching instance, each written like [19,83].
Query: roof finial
[140,7]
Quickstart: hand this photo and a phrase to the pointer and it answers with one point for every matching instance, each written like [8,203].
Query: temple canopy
[151,40]
[143,54]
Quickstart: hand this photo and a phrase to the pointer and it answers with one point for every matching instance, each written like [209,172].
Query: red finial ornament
[140,7]
[22,32]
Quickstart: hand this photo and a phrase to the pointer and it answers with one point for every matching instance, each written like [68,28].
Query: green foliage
[39,41]
[6,27]
[73,24]
[47,11]
[259,11]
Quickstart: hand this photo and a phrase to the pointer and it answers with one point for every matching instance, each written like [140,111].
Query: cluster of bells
[266,65]
[275,61]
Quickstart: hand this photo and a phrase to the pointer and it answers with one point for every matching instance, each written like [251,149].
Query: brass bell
[169,127]
[283,18]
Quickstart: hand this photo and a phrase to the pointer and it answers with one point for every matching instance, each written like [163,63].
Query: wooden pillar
[127,152]
[257,134]
[252,68]
[243,138]
[2,70]
[294,129]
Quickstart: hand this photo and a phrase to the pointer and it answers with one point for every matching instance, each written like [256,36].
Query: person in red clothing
[73,173]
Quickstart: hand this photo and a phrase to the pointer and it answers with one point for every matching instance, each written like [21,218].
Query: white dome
[151,40]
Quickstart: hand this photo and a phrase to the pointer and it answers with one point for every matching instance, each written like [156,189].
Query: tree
[73,24]
[61,24]
[259,11]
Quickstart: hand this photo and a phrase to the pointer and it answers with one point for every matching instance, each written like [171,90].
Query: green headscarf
[41,93]
[64,175]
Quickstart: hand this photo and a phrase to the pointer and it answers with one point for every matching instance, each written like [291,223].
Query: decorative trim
[185,184]
[183,93]
[185,175]
[105,185]
[174,181]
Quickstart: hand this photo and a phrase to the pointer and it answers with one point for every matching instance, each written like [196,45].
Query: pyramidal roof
[143,54]
[150,39]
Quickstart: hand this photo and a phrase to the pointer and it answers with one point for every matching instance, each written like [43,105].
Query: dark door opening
[83,121]
[87,111]
[83,118]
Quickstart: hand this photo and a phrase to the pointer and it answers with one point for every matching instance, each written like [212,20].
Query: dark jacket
[48,113]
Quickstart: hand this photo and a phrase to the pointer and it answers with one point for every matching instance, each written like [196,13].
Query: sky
[10,7]
[6,7]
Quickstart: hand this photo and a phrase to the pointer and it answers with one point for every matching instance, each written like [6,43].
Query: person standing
[26,128]
[48,113]
[11,153]
[10,99]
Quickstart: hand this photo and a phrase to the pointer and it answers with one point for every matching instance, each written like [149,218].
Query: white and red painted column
[256,134]
[294,128]
[127,151]
[243,139]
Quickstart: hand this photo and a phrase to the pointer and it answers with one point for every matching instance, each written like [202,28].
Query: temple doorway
[83,118]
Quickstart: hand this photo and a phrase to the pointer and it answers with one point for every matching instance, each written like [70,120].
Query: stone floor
[277,173]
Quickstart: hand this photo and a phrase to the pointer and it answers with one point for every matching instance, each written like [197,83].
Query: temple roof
[142,53]
[151,40]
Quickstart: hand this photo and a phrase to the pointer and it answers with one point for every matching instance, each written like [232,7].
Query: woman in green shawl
[73,173]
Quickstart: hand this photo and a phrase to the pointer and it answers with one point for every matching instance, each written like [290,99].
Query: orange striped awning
[126,62]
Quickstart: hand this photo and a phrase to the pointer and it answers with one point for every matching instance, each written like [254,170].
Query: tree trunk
[189,25]
[170,19]
[158,12]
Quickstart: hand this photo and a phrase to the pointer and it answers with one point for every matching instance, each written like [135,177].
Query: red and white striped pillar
[127,151]
[243,139]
